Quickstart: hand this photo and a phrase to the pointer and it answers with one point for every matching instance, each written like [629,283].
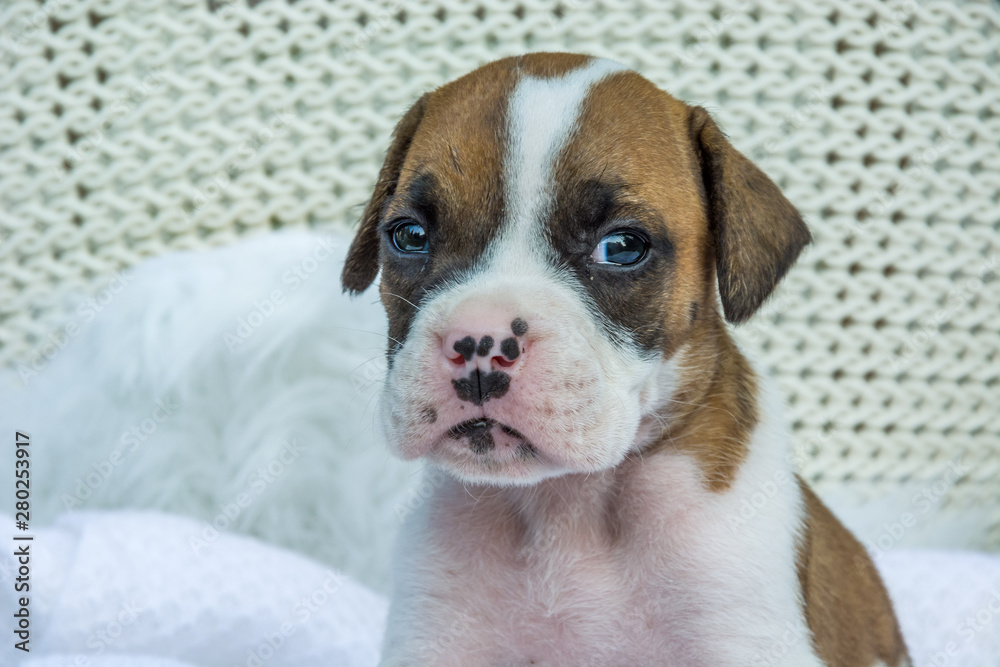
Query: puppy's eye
[621,247]
[409,236]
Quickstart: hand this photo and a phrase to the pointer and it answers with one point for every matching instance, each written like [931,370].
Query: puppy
[555,236]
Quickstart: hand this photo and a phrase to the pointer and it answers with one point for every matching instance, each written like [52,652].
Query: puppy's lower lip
[478,433]
[481,424]
[471,427]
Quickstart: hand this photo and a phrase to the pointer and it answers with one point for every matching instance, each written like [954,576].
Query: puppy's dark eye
[621,247]
[409,236]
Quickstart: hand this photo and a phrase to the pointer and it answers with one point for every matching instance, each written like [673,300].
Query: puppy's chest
[564,585]
[588,603]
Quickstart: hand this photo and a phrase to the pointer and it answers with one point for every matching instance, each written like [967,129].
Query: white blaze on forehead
[542,116]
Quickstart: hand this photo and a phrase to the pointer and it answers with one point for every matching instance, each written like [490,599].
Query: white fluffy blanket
[208,397]
[129,588]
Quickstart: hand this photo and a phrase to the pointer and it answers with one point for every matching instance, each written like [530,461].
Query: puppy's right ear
[361,264]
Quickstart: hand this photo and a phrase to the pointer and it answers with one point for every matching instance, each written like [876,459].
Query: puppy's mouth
[485,450]
[478,435]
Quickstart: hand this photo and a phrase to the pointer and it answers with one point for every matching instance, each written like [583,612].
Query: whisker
[403,299]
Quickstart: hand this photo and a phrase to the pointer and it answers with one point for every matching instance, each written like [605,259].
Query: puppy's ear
[758,234]
[361,264]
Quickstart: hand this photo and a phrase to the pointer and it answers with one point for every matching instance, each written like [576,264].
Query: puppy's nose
[481,358]
[488,351]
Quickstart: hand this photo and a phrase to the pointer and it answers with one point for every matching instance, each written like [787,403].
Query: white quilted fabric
[130,127]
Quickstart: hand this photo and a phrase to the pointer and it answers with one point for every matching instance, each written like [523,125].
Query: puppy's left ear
[758,234]
[361,264]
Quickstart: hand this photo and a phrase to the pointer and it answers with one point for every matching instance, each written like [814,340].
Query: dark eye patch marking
[630,299]
[510,348]
[478,388]
[465,347]
[485,345]
[519,327]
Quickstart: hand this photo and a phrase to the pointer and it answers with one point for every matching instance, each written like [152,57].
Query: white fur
[309,373]
[542,118]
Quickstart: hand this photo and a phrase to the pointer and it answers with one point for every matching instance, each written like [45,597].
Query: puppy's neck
[713,409]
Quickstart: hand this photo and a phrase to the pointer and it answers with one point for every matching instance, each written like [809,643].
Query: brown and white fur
[592,433]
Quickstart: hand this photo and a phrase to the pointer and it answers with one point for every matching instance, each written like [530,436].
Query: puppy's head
[550,228]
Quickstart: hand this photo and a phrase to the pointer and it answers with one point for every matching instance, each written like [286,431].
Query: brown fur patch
[714,412]
[547,64]
[846,605]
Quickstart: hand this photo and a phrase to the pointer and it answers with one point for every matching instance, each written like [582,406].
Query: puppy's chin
[483,451]
[484,469]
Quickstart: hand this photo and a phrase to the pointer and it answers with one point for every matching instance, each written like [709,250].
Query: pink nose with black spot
[481,359]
